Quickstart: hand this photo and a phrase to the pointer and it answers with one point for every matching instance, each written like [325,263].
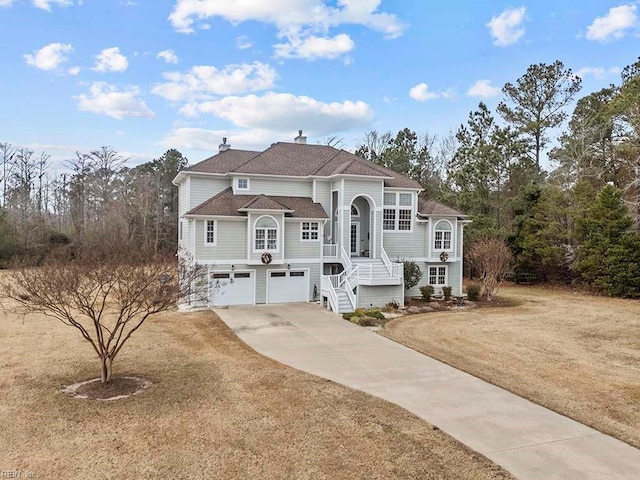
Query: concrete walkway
[525,438]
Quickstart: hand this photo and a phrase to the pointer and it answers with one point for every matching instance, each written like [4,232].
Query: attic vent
[224,146]
[300,138]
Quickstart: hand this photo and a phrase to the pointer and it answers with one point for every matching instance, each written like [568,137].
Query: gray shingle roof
[431,207]
[300,160]
[227,204]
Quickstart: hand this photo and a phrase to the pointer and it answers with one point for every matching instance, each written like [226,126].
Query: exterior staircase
[344,304]
[338,289]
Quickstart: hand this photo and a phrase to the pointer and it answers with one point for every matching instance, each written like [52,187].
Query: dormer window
[242,184]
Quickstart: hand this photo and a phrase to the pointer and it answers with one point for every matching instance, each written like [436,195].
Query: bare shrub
[493,258]
[106,293]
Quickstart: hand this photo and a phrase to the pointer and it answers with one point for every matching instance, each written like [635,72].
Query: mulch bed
[118,387]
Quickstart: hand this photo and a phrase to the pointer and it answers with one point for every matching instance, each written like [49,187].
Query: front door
[355,239]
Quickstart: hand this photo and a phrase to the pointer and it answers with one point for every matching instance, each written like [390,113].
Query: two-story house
[300,222]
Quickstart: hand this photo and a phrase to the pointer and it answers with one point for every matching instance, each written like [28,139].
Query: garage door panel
[231,288]
[288,286]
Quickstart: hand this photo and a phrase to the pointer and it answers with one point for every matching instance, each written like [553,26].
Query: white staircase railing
[395,269]
[327,285]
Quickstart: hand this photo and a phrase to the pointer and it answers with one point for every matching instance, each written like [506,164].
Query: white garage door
[288,286]
[231,288]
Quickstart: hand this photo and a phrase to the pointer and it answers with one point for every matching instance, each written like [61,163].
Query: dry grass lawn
[217,409]
[575,354]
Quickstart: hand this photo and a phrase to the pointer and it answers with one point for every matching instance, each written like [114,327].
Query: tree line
[579,221]
[99,199]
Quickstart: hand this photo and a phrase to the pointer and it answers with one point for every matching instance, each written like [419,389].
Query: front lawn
[576,354]
[216,409]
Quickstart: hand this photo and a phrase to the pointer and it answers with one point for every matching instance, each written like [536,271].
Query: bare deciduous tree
[493,258]
[106,295]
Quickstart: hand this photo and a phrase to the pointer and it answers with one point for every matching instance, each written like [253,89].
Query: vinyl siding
[279,187]
[323,195]
[230,242]
[296,248]
[261,278]
[453,278]
[407,245]
[379,295]
[203,188]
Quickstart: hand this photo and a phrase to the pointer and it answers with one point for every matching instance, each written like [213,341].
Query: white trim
[357,252]
[206,232]
[353,205]
[446,275]
[267,275]
[227,218]
[310,231]
[278,235]
[397,207]
[227,262]
[236,184]
[453,242]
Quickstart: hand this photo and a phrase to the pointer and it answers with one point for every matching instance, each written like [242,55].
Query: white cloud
[312,47]
[107,100]
[421,93]
[286,112]
[49,57]
[484,89]
[6,3]
[111,60]
[202,81]
[46,4]
[507,27]
[243,42]
[614,24]
[74,70]
[208,140]
[597,72]
[297,21]
[168,56]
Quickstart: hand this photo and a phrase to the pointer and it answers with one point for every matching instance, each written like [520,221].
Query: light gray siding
[379,295]
[371,188]
[203,188]
[230,242]
[323,195]
[453,278]
[295,247]
[280,187]
[400,245]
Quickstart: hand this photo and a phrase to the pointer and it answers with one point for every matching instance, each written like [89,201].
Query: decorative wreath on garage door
[266,258]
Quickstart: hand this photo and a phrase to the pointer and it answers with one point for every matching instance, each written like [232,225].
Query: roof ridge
[325,163]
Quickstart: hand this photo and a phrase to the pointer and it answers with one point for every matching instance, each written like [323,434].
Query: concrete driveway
[525,438]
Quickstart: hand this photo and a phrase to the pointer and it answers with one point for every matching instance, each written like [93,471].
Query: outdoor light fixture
[288,266]
[233,267]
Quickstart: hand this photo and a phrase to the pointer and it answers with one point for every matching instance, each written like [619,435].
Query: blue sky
[143,76]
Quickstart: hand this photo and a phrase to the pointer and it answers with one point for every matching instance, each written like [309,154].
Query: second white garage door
[285,286]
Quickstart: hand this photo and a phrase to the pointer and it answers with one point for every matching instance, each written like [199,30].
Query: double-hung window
[310,231]
[210,232]
[437,276]
[266,234]
[397,213]
[442,236]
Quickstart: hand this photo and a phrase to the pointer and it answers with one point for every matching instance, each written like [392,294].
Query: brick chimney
[224,146]
[300,139]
